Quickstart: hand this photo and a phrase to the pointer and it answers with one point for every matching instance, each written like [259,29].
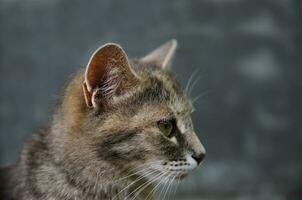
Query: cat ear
[108,73]
[161,57]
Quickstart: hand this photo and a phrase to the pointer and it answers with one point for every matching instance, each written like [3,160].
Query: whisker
[135,173]
[197,97]
[190,80]
[169,186]
[143,166]
[164,185]
[169,183]
[173,185]
[144,187]
[148,172]
[158,184]
[139,189]
[193,85]
[166,188]
[176,187]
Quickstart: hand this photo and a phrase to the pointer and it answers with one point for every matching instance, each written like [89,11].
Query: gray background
[248,53]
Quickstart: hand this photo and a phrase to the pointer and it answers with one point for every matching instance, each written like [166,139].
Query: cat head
[139,118]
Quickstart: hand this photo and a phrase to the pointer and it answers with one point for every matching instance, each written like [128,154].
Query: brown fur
[95,139]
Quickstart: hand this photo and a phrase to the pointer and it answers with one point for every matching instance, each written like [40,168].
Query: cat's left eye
[166,127]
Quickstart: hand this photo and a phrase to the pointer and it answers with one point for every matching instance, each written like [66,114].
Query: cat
[121,129]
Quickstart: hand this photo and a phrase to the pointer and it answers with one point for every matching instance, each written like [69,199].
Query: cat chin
[181,177]
[178,176]
[171,177]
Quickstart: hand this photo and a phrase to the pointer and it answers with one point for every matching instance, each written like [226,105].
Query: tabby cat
[122,128]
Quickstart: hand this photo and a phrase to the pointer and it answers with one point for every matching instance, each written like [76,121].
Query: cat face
[173,147]
[141,118]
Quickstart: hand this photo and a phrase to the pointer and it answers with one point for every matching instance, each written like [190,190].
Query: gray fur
[86,149]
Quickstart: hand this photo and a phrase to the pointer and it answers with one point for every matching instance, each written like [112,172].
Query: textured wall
[249,56]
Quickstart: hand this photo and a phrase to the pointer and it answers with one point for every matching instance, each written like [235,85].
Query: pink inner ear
[87,95]
[96,68]
[108,72]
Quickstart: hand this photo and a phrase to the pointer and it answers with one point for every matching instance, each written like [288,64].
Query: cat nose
[199,157]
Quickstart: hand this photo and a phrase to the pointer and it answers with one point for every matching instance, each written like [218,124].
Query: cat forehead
[164,88]
[156,87]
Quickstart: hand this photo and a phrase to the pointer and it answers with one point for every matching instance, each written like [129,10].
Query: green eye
[166,127]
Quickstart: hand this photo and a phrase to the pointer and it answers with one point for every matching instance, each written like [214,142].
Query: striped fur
[86,151]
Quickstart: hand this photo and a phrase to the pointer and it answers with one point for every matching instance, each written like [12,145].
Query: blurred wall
[249,56]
